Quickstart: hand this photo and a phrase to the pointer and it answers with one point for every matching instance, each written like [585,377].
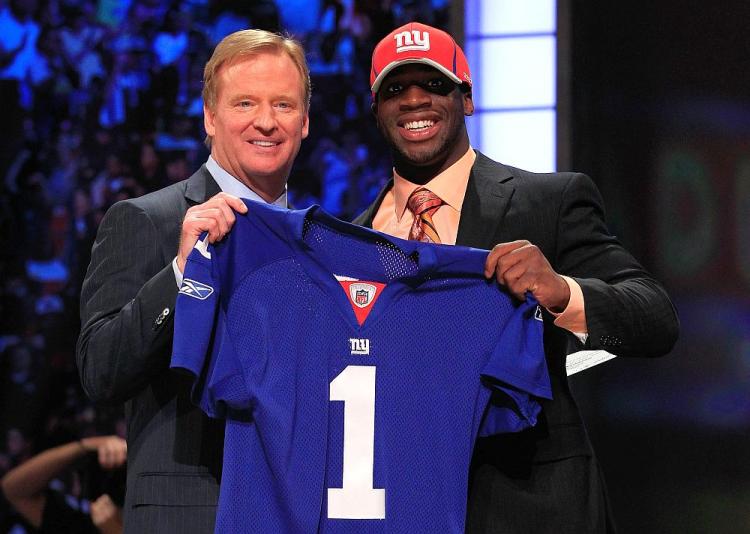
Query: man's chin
[419,158]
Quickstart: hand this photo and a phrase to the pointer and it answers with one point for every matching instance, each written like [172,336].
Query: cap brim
[424,61]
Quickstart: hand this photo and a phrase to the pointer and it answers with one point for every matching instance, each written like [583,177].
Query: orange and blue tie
[423,203]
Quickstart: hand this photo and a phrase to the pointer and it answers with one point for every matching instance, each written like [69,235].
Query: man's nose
[415,96]
[265,118]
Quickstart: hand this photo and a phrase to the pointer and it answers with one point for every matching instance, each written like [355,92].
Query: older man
[256,97]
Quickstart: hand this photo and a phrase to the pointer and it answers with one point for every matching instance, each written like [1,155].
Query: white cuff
[177,273]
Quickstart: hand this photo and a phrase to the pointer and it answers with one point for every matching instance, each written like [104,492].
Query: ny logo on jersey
[195,289]
[413,40]
[359,346]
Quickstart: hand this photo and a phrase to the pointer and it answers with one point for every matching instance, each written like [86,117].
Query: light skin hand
[520,266]
[215,216]
[111,451]
[106,516]
[24,485]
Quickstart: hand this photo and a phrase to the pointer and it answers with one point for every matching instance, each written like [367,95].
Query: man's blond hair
[248,43]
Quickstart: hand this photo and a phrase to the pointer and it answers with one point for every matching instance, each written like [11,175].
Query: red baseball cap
[418,43]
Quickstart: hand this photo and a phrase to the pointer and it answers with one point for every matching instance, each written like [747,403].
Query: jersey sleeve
[196,318]
[517,373]
[201,345]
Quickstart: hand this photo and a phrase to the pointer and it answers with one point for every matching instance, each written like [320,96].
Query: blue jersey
[355,371]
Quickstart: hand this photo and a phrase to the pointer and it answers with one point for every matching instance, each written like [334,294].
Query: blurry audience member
[80,41]
[29,490]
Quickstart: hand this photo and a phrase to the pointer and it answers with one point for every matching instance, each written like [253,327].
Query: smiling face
[420,112]
[258,121]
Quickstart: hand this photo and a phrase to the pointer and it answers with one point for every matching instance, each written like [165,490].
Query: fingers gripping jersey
[355,372]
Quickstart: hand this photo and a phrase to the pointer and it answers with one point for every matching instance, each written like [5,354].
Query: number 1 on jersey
[357,499]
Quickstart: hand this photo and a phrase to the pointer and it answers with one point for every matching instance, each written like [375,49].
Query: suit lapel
[200,187]
[488,194]
[365,218]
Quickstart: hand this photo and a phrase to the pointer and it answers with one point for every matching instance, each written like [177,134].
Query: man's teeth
[264,143]
[418,125]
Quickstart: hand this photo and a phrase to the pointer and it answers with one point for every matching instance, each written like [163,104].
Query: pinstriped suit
[123,354]
[547,479]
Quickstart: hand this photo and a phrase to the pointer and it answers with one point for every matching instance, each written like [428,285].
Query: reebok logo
[194,289]
[413,40]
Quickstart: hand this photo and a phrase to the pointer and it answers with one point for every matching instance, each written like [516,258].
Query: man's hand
[112,451]
[521,267]
[106,516]
[215,216]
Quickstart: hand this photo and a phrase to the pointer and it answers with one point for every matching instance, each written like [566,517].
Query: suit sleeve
[628,312]
[127,301]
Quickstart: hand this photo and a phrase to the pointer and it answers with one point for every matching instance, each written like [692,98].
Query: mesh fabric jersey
[355,372]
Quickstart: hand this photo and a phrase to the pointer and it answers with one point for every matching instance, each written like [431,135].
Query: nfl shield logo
[361,297]
[362,293]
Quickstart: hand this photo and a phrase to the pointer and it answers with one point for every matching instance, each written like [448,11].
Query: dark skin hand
[521,267]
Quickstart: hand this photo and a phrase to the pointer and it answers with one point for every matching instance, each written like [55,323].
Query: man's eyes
[246,104]
[435,85]
[395,88]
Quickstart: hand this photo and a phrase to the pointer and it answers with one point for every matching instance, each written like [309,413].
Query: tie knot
[422,200]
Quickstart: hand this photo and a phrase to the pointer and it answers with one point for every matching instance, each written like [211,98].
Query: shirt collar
[449,185]
[230,184]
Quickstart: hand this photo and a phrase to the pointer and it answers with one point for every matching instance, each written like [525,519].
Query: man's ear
[468,103]
[374,111]
[305,125]
[208,121]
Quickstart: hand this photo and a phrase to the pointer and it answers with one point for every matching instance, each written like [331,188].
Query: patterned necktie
[423,203]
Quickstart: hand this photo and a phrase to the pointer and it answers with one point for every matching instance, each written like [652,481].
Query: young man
[256,97]
[547,236]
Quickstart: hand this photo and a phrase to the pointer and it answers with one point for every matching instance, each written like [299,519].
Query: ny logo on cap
[412,40]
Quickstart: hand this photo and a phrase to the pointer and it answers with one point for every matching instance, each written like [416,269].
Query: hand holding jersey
[521,267]
[216,216]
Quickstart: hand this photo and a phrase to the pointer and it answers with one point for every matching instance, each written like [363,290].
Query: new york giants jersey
[355,371]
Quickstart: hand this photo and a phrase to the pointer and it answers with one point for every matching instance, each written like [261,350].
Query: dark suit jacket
[546,479]
[123,355]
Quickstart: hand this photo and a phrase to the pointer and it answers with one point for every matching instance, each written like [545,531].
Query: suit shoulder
[548,179]
[573,184]
[161,199]
[158,205]
[485,165]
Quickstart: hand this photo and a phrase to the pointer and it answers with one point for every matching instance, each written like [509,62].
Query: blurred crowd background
[101,102]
